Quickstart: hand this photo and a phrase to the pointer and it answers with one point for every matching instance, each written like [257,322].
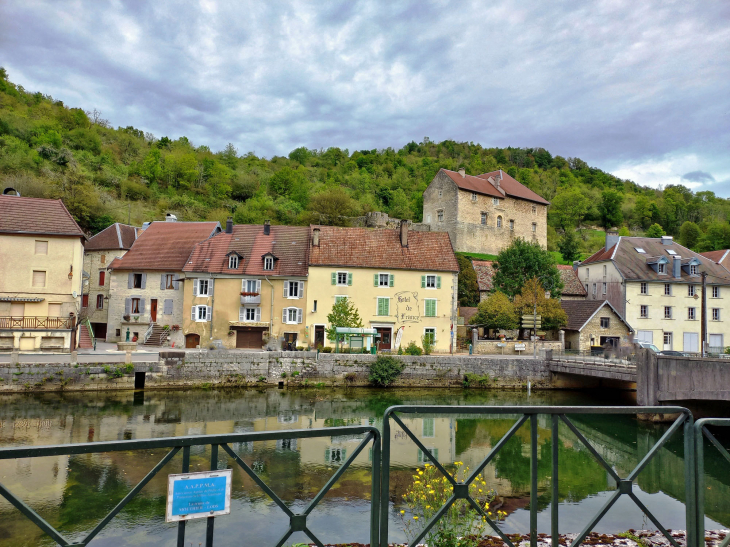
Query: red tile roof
[165,246]
[486,184]
[381,248]
[485,278]
[289,244]
[571,284]
[116,236]
[716,256]
[21,215]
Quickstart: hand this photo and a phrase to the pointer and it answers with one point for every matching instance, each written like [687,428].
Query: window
[251,286]
[334,455]
[169,280]
[233,262]
[54,309]
[644,288]
[715,292]
[440,215]
[473,196]
[667,289]
[314,306]
[102,276]
[534,227]
[715,314]
[430,281]
[640,250]
[690,290]
[668,339]
[594,289]
[661,268]
[429,333]
[667,312]
[137,281]
[671,252]
[534,210]
[249,314]
[384,280]
[383,306]
[511,224]
[484,218]
[200,313]
[41,247]
[293,289]
[85,301]
[644,311]
[499,222]
[102,259]
[292,315]
[269,263]
[341,278]
[605,288]
[422,458]
[99,301]
[691,314]
[202,287]
[340,299]
[429,427]
[693,269]
[605,322]
[495,202]
[136,305]
[39,278]
[588,273]
[428,218]
[429,307]
[604,271]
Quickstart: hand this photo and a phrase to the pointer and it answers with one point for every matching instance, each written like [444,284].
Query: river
[74,493]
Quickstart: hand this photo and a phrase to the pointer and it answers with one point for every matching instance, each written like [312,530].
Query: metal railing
[297,521]
[530,413]
[36,322]
[613,356]
[701,432]
[147,333]
[88,326]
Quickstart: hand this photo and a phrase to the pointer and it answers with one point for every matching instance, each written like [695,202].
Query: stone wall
[177,369]
[492,347]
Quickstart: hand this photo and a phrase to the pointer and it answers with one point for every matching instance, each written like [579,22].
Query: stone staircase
[85,338]
[158,336]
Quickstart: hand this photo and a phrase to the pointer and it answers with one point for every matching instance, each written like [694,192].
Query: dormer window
[268,263]
[661,268]
[693,269]
[233,262]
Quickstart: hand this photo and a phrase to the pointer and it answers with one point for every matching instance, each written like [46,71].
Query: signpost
[198,495]
[533,322]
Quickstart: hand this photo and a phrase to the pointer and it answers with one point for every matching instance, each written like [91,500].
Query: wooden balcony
[37,323]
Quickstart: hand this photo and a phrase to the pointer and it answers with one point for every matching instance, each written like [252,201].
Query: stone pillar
[647,387]
[14,357]
[74,357]
[128,356]
[561,335]
[474,337]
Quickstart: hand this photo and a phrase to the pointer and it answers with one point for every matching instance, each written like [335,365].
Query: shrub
[475,380]
[326,350]
[295,373]
[283,374]
[427,343]
[413,349]
[385,370]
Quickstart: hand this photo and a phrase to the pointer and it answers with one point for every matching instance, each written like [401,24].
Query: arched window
[499,222]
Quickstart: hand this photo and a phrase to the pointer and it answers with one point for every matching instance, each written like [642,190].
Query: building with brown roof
[572,287]
[593,323]
[402,282]
[41,265]
[247,286]
[484,213]
[656,285]
[721,257]
[112,242]
[146,283]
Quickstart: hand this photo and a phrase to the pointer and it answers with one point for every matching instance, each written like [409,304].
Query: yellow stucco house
[41,265]
[247,287]
[402,282]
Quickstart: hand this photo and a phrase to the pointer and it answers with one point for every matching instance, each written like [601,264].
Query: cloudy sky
[637,88]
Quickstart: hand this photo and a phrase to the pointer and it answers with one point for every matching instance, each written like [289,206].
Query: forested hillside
[48,149]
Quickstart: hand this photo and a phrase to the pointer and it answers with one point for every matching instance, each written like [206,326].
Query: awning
[21,299]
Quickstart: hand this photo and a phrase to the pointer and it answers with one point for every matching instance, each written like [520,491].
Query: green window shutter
[380,306]
[349,279]
[327,455]
[375,280]
[334,278]
[438,281]
[423,281]
[386,306]
[391,280]
[430,308]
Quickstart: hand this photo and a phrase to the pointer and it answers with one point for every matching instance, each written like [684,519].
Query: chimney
[667,240]
[462,172]
[677,266]
[315,237]
[267,227]
[169,217]
[404,233]
[576,263]
[612,238]
[229,225]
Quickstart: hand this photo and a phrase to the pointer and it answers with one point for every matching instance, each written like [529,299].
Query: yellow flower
[417,482]
[489,513]
[428,507]
[402,512]
[415,518]
[432,492]
[480,490]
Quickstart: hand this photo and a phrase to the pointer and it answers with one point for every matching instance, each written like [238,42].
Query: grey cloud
[698,176]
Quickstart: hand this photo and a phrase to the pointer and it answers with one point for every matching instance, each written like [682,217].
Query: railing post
[181,524]
[211,520]
[554,484]
[533,480]
[692,517]
[699,440]
[384,481]
[375,494]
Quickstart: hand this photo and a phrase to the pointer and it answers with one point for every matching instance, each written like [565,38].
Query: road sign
[531,324]
[531,317]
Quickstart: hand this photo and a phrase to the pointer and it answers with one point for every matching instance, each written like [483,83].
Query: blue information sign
[197,495]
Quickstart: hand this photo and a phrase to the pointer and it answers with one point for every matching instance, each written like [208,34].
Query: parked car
[673,352]
[647,345]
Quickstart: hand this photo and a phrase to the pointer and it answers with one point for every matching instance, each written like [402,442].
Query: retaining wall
[236,368]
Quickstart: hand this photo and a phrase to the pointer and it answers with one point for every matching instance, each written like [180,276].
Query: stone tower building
[484,213]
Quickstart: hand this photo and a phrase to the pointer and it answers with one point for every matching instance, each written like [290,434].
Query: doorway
[153,310]
[290,341]
[318,336]
[385,338]
[192,340]
[249,338]
[667,341]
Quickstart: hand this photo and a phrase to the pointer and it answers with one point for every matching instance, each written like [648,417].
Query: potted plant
[136,318]
[231,332]
[245,293]
[175,328]
[126,318]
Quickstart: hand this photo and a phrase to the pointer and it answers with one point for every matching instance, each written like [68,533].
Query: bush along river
[74,493]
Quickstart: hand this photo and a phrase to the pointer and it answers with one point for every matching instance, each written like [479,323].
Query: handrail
[87,323]
[147,333]
[701,432]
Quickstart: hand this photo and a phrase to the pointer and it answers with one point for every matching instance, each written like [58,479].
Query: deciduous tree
[522,261]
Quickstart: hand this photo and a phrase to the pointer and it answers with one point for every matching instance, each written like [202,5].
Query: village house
[404,285]
[721,257]
[655,284]
[99,251]
[247,286]
[41,265]
[594,323]
[484,213]
[572,287]
[146,284]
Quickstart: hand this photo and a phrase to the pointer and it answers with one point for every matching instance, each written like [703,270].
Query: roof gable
[114,237]
[580,312]
[21,215]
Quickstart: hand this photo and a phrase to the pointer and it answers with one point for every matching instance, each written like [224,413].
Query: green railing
[297,521]
[701,432]
[87,323]
[557,415]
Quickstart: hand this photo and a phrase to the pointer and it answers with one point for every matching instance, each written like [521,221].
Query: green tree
[229,156]
[468,287]
[255,211]
[689,234]
[610,208]
[331,207]
[569,246]
[522,261]
[568,208]
[655,230]
[553,316]
[285,182]
[715,238]
[343,314]
[496,312]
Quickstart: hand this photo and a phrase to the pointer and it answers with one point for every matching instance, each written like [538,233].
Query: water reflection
[74,493]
